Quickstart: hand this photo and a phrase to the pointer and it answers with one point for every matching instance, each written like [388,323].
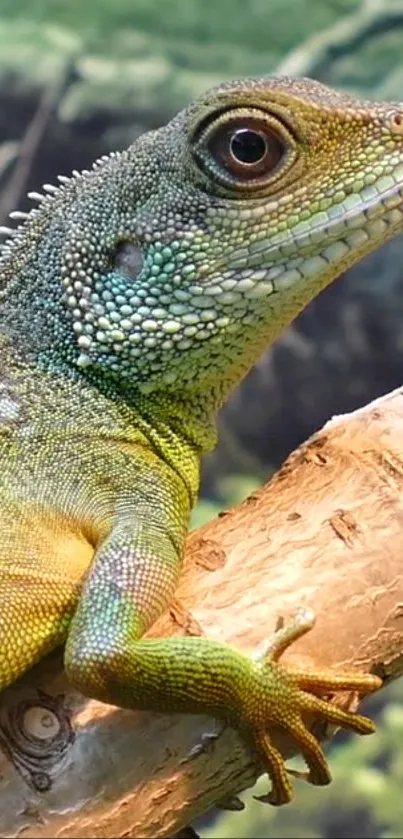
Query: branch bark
[326,532]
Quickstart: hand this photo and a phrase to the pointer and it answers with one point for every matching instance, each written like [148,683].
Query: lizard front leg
[131,581]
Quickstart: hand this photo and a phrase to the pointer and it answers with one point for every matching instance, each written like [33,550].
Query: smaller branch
[16,185]
[9,151]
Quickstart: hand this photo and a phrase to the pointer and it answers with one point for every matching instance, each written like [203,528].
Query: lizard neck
[39,287]
[33,398]
[37,323]
[32,314]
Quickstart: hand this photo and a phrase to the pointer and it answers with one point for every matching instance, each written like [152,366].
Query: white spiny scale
[14,233]
[76,173]
[50,188]
[104,158]
[36,196]
[63,179]
[18,215]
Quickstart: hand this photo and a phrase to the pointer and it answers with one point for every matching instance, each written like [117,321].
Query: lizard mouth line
[360,214]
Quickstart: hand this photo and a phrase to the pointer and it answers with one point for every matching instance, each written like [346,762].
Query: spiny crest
[13,235]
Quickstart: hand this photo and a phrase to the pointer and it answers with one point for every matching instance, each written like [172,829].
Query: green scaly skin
[133,299]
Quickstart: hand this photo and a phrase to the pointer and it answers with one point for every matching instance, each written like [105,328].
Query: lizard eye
[245,149]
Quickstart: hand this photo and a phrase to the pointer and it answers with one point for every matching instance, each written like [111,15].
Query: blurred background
[78,79]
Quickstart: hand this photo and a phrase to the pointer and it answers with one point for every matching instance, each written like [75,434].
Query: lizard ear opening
[128,259]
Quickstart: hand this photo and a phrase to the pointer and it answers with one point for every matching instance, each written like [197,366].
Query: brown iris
[247,148]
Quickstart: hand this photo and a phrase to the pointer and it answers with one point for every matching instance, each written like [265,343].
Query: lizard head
[174,263]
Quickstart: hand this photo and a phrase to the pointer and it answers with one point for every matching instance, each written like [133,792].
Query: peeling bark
[327,532]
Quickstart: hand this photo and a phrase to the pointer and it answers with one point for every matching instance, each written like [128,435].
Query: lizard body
[132,300]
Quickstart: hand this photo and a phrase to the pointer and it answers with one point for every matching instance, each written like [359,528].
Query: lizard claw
[284,696]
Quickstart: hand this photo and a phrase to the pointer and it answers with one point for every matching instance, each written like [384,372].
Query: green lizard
[133,299]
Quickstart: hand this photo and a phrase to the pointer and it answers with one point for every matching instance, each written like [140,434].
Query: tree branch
[326,532]
[17,181]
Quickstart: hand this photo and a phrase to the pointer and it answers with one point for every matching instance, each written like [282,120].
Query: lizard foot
[282,695]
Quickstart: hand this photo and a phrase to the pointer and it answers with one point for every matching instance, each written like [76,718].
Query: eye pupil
[248,146]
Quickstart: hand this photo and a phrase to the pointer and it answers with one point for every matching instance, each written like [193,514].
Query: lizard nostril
[396,123]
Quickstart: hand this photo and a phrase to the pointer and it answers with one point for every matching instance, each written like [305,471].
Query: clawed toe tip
[275,798]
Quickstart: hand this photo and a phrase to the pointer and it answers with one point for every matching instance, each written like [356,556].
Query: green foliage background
[128,65]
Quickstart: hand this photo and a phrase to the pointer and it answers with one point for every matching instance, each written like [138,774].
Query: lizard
[134,297]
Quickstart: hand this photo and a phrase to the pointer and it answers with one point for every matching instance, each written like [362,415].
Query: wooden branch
[327,532]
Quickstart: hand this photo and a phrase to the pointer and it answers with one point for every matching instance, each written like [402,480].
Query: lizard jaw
[321,249]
